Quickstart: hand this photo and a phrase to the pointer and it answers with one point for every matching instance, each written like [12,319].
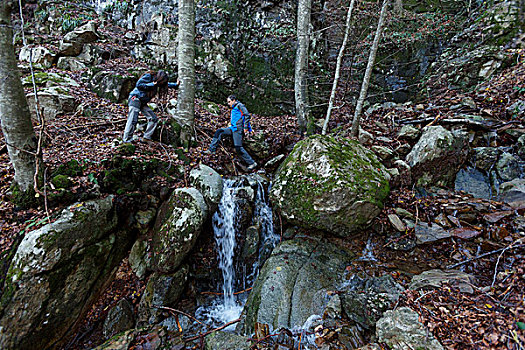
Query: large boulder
[401,329]
[57,271]
[39,56]
[53,102]
[114,87]
[293,284]
[177,228]
[73,42]
[437,157]
[434,278]
[331,185]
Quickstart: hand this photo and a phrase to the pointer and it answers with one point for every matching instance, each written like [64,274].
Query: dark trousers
[237,142]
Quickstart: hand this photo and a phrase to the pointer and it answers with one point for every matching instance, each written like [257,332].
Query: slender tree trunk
[338,67]
[186,70]
[14,111]
[368,72]
[301,63]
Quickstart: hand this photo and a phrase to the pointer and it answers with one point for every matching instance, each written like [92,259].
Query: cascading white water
[224,221]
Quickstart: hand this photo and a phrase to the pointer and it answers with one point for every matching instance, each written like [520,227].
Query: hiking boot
[252,166]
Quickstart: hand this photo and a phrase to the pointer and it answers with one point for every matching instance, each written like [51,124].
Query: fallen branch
[98,124]
[499,257]
[179,312]
[202,335]
[483,255]
[236,293]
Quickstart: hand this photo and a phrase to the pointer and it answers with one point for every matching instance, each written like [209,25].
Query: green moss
[25,199]
[71,168]
[61,181]
[126,149]
[42,78]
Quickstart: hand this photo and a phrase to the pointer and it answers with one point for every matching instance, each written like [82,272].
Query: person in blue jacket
[239,121]
[146,88]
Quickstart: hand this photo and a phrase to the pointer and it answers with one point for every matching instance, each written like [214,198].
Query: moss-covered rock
[70,168]
[126,149]
[337,186]
[61,181]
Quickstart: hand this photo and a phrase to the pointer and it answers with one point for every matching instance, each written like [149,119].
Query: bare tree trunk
[14,111]
[301,63]
[338,67]
[186,70]
[368,72]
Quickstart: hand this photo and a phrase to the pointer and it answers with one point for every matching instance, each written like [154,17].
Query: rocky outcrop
[73,42]
[330,185]
[113,86]
[177,228]
[209,183]
[293,284]
[437,157]
[57,271]
[53,102]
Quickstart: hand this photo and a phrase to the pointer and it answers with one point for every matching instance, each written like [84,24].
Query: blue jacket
[145,90]
[240,116]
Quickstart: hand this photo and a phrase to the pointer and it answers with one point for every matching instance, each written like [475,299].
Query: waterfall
[225,226]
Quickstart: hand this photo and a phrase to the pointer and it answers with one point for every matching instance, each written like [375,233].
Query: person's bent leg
[217,138]
[152,122]
[133,117]
[244,155]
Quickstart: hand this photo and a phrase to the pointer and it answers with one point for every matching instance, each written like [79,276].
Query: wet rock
[177,228]
[513,192]
[227,341]
[434,279]
[485,158]
[39,56]
[408,132]
[275,161]
[473,182]
[209,183]
[426,233]
[325,184]
[368,298]
[119,319]
[400,329]
[437,156]
[293,284]
[161,290]
[508,167]
[251,242]
[151,338]
[57,271]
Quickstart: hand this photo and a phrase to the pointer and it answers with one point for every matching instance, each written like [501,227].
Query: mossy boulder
[336,186]
[177,228]
[70,168]
[438,156]
[209,183]
[61,181]
[57,272]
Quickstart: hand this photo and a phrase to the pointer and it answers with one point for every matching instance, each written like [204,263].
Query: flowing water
[229,306]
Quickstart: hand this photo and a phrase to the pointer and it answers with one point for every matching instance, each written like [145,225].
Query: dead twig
[202,335]
[499,257]
[179,312]
[236,293]
[482,256]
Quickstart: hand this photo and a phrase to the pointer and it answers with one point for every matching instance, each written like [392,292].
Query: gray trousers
[237,142]
[133,118]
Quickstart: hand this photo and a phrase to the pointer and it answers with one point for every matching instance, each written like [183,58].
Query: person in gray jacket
[146,88]
[239,121]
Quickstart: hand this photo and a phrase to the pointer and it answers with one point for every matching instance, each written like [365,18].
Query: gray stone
[473,182]
[119,319]
[437,156]
[57,272]
[293,284]
[138,259]
[209,183]
[151,337]
[365,138]
[408,132]
[508,167]
[404,213]
[251,242]
[516,110]
[53,102]
[227,341]
[396,222]
[434,279]
[485,158]
[383,153]
[401,329]
[368,298]
[325,184]
[177,228]
[73,42]
[114,87]
[257,145]
[274,161]
[39,56]
[145,218]
[469,102]
[71,64]
[426,233]
[513,192]
[161,290]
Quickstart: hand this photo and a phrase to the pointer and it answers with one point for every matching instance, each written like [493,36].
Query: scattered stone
[404,213]
[426,233]
[465,233]
[435,278]
[53,102]
[365,138]
[508,167]
[383,153]
[486,157]
[513,193]
[227,341]
[472,181]
[401,329]
[152,337]
[396,222]
[272,163]
[408,132]
[469,102]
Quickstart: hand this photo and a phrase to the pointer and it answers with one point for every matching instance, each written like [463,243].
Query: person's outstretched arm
[145,83]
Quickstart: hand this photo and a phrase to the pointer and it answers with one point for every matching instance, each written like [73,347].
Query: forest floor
[491,317]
